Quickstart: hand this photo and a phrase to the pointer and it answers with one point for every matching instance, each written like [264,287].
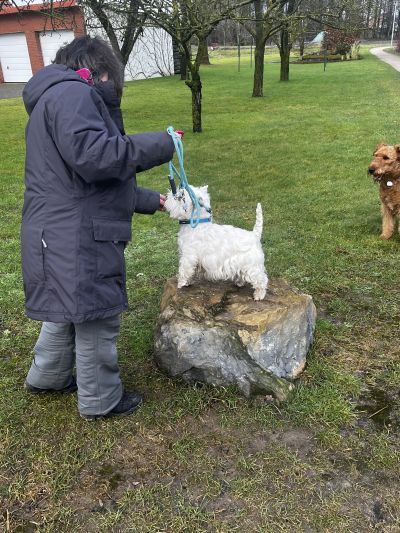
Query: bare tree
[121,20]
[264,22]
[292,24]
[184,20]
[282,20]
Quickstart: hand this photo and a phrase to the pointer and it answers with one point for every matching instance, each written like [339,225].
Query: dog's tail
[258,226]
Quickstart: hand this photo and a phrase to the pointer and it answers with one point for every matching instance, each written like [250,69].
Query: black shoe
[129,402]
[72,387]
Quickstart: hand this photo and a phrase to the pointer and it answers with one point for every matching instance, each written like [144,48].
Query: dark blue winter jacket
[79,199]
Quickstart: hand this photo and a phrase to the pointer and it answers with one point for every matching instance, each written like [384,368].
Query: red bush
[338,42]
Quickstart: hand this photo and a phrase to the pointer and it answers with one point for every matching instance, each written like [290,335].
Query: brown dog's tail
[258,226]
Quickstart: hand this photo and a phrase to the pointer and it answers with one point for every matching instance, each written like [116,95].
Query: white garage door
[14,57]
[51,41]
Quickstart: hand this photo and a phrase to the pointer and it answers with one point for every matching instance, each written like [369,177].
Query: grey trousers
[92,346]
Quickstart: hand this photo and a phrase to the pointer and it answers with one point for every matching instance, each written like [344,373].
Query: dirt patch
[299,441]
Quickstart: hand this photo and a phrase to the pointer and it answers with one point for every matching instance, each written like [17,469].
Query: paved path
[11,90]
[390,59]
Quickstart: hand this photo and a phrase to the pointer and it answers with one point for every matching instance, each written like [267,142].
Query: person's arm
[83,140]
[147,202]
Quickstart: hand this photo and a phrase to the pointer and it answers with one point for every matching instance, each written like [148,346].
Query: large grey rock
[217,333]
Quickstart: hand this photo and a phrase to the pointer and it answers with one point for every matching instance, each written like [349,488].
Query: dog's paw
[182,283]
[259,294]
[385,236]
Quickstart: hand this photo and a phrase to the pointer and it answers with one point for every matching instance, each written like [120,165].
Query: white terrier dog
[217,252]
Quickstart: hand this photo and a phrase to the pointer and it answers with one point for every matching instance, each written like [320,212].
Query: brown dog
[385,168]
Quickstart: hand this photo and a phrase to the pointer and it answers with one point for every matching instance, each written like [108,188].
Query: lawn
[201,459]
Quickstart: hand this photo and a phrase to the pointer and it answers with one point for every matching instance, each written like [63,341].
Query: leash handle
[172,184]
[183,181]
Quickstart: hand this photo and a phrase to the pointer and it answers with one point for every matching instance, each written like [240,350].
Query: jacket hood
[43,80]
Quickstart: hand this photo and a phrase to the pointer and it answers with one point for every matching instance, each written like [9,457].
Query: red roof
[62,4]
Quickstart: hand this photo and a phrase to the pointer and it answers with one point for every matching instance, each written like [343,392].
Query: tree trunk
[258,80]
[184,68]
[203,52]
[259,51]
[195,86]
[388,22]
[284,51]
[285,42]
[301,46]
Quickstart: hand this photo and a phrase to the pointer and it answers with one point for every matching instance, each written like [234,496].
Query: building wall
[151,57]
[32,23]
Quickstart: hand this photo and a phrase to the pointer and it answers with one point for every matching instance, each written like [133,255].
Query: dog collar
[199,221]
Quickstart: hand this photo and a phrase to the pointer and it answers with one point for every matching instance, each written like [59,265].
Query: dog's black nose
[371,170]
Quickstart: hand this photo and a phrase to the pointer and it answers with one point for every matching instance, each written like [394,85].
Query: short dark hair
[94,54]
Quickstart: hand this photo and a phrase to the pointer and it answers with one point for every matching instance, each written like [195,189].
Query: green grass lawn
[200,459]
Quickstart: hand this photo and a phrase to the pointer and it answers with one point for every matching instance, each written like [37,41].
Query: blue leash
[183,181]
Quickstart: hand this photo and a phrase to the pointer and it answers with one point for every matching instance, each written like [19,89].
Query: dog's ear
[397,148]
[379,146]
[204,188]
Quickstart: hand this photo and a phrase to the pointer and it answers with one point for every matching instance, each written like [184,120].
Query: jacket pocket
[32,252]
[111,237]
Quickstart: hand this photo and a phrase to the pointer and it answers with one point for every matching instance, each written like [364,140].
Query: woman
[79,200]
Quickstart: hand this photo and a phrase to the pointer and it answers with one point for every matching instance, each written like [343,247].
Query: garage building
[28,40]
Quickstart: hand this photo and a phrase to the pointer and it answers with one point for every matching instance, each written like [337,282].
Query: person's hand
[162,202]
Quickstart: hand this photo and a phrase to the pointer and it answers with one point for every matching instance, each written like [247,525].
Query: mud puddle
[380,406]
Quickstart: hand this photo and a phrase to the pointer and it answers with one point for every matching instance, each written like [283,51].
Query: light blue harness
[184,184]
